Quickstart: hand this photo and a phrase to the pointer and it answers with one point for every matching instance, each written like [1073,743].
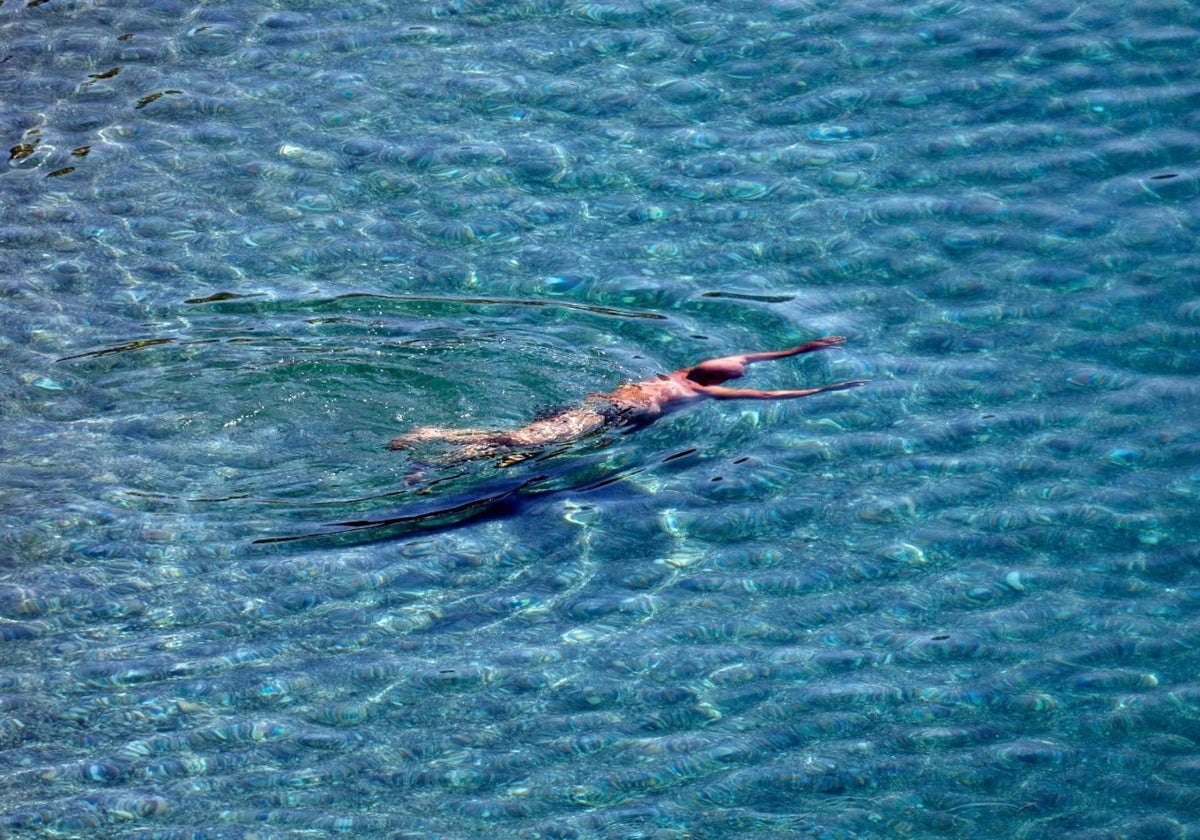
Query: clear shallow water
[961,602]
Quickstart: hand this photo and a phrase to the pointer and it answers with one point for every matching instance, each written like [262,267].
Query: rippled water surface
[244,244]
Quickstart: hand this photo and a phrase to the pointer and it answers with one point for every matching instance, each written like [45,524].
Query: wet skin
[634,405]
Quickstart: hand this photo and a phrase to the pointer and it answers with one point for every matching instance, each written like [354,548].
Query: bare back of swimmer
[635,404]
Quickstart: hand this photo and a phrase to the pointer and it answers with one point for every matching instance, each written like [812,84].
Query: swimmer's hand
[827,341]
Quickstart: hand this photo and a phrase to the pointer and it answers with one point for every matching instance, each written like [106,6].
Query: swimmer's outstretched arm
[769,355]
[718,392]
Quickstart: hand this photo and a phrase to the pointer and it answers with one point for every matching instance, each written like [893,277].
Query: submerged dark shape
[21,151]
[154,97]
[633,405]
[491,499]
[447,500]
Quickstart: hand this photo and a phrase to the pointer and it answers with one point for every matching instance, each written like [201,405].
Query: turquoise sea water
[243,244]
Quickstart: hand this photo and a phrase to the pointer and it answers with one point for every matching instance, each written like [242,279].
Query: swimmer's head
[716,371]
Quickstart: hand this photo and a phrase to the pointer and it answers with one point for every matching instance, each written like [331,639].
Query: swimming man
[634,405]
